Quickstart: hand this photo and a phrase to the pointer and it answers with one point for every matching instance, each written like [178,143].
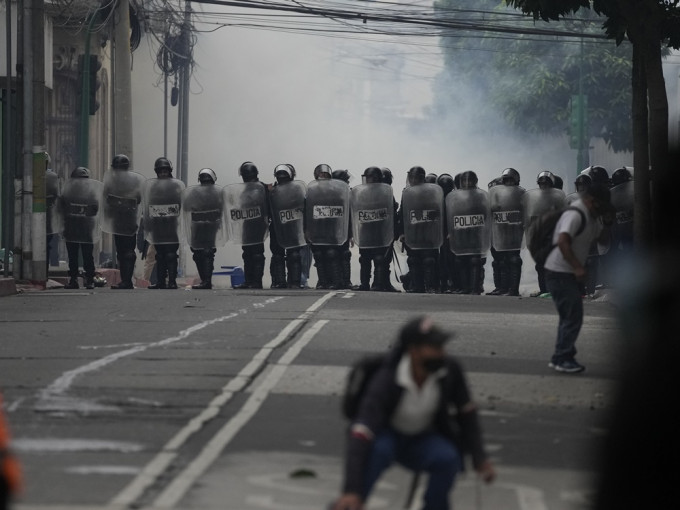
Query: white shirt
[417,407]
[569,223]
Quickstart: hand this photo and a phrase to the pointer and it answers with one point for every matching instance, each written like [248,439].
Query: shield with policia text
[203,216]
[162,203]
[507,218]
[287,203]
[423,208]
[247,212]
[327,212]
[372,208]
[122,201]
[468,219]
[78,210]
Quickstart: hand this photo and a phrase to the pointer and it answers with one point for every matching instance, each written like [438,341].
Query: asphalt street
[224,399]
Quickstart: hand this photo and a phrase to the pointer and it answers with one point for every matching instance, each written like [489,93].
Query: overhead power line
[378,16]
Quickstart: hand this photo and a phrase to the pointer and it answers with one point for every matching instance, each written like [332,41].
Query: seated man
[404,417]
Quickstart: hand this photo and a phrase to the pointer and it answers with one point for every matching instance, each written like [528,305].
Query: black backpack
[358,379]
[540,233]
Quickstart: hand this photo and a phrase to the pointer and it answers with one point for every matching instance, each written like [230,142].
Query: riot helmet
[284,173]
[207,176]
[80,173]
[416,175]
[510,177]
[445,181]
[621,175]
[431,178]
[162,166]
[456,181]
[598,174]
[495,182]
[248,171]
[583,182]
[323,171]
[559,183]
[468,180]
[545,180]
[386,175]
[120,162]
[372,175]
[341,175]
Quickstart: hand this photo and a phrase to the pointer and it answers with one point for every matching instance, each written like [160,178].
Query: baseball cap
[420,331]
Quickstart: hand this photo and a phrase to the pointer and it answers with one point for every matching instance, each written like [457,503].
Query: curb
[8,286]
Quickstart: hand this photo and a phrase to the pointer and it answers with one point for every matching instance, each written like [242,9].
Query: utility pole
[122,83]
[7,174]
[39,155]
[183,112]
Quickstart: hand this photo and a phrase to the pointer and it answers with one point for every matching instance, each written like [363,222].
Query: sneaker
[546,295]
[535,294]
[570,366]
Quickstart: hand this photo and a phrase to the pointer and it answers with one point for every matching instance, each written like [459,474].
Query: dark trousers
[125,247]
[430,453]
[86,249]
[566,294]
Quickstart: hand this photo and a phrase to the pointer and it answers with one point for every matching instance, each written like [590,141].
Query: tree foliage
[529,80]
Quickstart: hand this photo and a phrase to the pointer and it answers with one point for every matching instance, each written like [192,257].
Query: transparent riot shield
[327,212]
[246,212]
[468,219]
[423,208]
[372,208]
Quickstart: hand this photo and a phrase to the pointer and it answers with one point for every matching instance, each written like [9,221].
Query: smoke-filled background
[350,100]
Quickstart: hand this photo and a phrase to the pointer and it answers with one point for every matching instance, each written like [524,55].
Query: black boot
[126,269]
[172,270]
[430,275]
[334,270]
[294,268]
[514,276]
[365,273]
[474,274]
[323,277]
[89,281]
[499,278]
[346,270]
[277,269]
[205,268]
[72,283]
[161,272]
[257,270]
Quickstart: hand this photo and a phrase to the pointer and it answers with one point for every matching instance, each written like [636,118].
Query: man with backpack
[416,410]
[583,223]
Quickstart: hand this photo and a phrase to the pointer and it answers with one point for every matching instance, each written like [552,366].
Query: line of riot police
[447,225]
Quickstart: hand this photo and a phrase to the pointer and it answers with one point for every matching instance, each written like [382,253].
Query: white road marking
[53,397]
[74,445]
[154,469]
[212,450]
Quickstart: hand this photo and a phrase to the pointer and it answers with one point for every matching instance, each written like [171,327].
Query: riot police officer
[507,232]
[421,213]
[162,198]
[287,199]
[202,210]
[372,233]
[595,263]
[535,203]
[122,198]
[326,225]
[79,206]
[346,253]
[467,211]
[251,196]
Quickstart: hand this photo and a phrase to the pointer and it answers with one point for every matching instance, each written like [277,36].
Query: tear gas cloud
[272,97]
